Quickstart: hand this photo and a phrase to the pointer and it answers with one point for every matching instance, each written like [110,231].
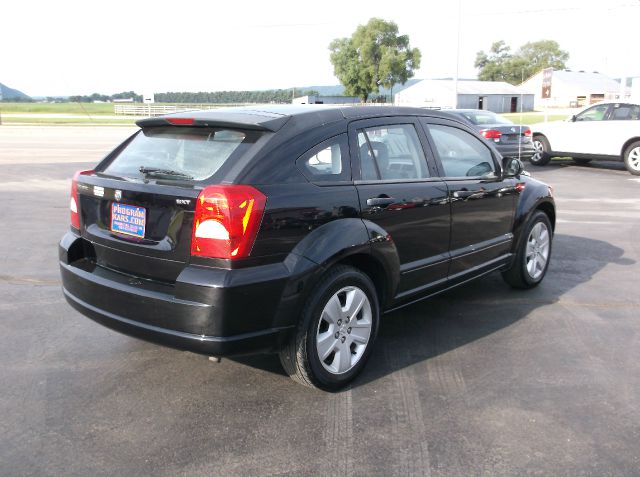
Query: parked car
[511,140]
[292,229]
[607,130]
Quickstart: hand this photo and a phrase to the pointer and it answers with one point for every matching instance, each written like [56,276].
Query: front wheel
[632,158]
[533,254]
[336,333]
[541,151]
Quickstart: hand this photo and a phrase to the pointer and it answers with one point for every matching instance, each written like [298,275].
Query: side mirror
[573,118]
[512,167]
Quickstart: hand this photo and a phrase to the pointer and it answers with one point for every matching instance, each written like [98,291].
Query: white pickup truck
[607,130]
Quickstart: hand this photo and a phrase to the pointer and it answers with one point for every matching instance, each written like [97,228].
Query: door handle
[380,201]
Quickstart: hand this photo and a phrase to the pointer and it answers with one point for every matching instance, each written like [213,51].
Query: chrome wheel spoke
[355,300]
[531,266]
[343,356]
[542,261]
[361,335]
[333,310]
[326,343]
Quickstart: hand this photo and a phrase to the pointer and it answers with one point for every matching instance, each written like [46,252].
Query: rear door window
[391,152]
[625,112]
[180,153]
[461,154]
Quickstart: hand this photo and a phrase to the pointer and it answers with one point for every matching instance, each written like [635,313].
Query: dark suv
[291,229]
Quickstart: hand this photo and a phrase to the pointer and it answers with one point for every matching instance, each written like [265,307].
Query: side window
[391,152]
[328,161]
[595,113]
[625,112]
[462,154]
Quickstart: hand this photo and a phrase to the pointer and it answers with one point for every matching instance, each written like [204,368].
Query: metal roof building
[496,96]
[573,89]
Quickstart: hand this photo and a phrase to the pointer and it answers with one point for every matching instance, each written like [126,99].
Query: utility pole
[455,80]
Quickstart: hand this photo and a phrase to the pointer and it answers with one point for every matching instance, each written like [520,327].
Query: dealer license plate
[128,219]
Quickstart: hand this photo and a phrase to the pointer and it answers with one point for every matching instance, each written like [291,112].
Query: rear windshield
[484,117]
[179,153]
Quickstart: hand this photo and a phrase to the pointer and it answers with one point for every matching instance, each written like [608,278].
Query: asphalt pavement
[483,380]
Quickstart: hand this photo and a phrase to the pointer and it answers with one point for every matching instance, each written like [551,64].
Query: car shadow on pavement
[471,312]
[558,163]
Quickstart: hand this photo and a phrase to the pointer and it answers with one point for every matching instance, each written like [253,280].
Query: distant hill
[10,94]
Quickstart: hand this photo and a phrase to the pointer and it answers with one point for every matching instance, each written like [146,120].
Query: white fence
[158,109]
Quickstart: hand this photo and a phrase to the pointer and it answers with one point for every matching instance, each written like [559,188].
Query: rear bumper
[511,150]
[212,311]
[259,341]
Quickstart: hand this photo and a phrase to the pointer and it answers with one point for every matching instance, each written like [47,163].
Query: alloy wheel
[344,330]
[537,253]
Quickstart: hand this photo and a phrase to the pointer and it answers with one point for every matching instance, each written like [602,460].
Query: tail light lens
[527,132]
[180,121]
[491,133]
[227,220]
[74,203]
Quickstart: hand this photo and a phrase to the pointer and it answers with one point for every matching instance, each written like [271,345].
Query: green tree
[502,65]
[543,54]
[374,55]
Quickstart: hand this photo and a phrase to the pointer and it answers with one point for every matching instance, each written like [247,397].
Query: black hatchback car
[292,229]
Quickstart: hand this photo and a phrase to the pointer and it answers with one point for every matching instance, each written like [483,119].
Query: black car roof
[273,117]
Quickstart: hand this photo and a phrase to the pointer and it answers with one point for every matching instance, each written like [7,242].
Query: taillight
[227,220]
[180,121]
[491,133]
[527,132]
[74,203]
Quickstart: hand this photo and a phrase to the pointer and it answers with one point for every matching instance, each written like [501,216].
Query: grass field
[59,108]
[533,117]
[88,121]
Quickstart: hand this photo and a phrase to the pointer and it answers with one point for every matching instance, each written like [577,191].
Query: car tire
[533,255]
[579,160]
[632,158]
[323,353]
[541,155]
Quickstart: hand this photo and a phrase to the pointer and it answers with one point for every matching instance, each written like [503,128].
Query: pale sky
[65,47]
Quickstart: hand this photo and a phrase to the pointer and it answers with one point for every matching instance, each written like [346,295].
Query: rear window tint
[194,152]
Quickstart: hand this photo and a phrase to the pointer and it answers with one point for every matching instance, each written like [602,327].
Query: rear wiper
[154,171]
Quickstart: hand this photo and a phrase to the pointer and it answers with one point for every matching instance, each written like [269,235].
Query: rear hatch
[137,206]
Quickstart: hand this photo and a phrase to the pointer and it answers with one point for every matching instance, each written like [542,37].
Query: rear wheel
[632,158]
[338,326]
[541,151]
[532,258]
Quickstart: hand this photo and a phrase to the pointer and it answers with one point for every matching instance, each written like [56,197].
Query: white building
[496,96]
[572,89]
[326,100]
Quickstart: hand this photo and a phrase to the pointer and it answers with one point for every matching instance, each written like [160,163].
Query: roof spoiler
[225,120]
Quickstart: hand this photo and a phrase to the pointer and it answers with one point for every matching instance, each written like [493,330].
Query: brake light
[227,220]
[74,203]
[180,121]
[491,133]
[527,132]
